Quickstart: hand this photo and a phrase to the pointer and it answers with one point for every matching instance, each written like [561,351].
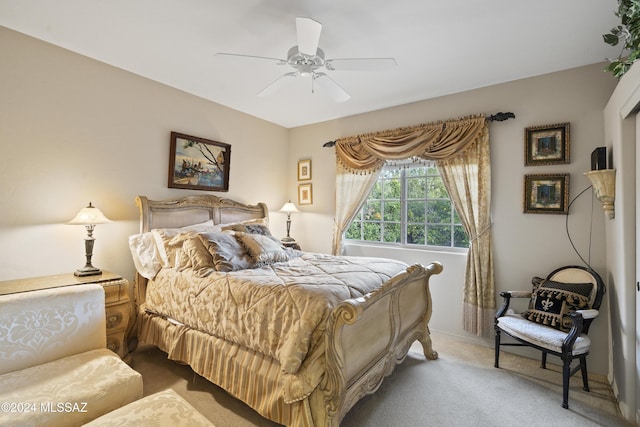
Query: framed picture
[198,164]
[546,145]
[304,170]
[305,194]
[546,193]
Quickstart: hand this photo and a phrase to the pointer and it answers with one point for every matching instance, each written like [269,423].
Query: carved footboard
[367,337]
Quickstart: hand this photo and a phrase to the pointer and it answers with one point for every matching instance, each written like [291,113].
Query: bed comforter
[279,310]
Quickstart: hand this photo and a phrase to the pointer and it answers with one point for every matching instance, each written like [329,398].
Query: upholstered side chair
[557,320]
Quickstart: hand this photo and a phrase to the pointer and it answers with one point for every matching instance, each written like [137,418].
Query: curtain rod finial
[501,117]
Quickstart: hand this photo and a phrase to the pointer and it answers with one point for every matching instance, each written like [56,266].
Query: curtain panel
[461,150]
[467,178]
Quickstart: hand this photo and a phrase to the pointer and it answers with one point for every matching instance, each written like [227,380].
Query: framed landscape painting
[198,164]
[546,193]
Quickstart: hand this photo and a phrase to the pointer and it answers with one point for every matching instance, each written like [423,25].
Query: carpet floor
[460,388]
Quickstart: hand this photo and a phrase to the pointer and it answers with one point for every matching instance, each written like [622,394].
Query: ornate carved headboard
[194,210]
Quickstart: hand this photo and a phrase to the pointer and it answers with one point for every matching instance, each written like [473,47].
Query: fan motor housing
[305,64]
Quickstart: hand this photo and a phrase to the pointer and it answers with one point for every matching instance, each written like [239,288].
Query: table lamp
[89,217]
[289,208]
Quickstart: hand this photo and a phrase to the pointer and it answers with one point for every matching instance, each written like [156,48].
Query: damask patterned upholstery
[165,408]
[56,369]
[48,324]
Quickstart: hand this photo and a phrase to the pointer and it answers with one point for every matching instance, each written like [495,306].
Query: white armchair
[56,369]
[560,312]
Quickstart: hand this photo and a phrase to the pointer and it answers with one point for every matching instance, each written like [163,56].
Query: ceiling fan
[307,59]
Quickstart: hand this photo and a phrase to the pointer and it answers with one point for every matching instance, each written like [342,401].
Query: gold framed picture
[305,194]
[546,145]
[304,170]
[546,193]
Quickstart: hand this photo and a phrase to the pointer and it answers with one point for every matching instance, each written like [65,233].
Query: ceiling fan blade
[308,35]
[277,84]
[360,64]
[237,55]
[334,89]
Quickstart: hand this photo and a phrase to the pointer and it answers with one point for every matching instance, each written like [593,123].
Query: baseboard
[625,411]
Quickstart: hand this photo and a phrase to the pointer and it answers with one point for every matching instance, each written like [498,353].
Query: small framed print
[546,145]
[198,164]
[305,194]
[546,193]
[304,170]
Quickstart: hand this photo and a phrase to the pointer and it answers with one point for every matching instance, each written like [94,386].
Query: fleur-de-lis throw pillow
[551,303]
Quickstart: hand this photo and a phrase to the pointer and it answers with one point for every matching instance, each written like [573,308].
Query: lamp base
[287,239]
[87,271]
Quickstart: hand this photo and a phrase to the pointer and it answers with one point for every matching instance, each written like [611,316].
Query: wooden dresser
[118,307]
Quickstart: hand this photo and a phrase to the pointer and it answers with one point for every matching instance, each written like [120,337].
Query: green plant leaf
[611,39]
[627,34]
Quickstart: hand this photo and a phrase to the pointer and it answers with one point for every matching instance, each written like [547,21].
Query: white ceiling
[441,47]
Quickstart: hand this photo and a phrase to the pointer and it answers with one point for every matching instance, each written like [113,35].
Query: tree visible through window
[410,206]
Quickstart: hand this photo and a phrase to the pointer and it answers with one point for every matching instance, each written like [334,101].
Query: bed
[313,333]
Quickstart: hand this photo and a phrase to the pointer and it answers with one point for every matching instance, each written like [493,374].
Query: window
[409,206]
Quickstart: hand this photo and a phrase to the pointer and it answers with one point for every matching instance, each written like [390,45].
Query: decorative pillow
[196,256]
[146,257]
[536,282]
[255,226]
[551,303]
[264,250]
[251,229]
[226,252]
[165,235]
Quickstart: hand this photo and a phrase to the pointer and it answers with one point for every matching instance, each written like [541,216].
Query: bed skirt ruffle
[249,376]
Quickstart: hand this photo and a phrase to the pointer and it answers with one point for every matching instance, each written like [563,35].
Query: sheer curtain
[461,148]
[351,192]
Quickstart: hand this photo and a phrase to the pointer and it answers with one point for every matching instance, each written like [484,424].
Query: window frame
[403,169]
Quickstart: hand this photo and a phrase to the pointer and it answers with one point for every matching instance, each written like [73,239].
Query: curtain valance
[433,141]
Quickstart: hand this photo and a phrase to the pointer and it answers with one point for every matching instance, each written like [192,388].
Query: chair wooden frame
[581,321]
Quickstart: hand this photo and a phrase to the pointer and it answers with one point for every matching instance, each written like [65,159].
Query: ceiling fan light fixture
[306,58]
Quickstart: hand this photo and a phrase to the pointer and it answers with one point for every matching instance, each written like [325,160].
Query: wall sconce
[89,217]
[289,208]
[604,187]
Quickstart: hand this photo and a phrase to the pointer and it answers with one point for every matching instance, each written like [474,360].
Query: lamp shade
[88,216]
[289,208]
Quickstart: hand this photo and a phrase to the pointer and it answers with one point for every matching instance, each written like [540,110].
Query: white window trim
[407,164]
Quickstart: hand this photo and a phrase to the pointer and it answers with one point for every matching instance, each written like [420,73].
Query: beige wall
[73,130]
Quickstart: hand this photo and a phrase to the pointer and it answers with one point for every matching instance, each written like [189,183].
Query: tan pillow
[168,247]
[199,258]
[264,250]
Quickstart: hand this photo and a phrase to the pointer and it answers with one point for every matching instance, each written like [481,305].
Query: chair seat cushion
[165,408]
[68,391]
[540,335]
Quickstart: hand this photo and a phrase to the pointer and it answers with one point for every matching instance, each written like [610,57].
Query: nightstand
[118,307]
